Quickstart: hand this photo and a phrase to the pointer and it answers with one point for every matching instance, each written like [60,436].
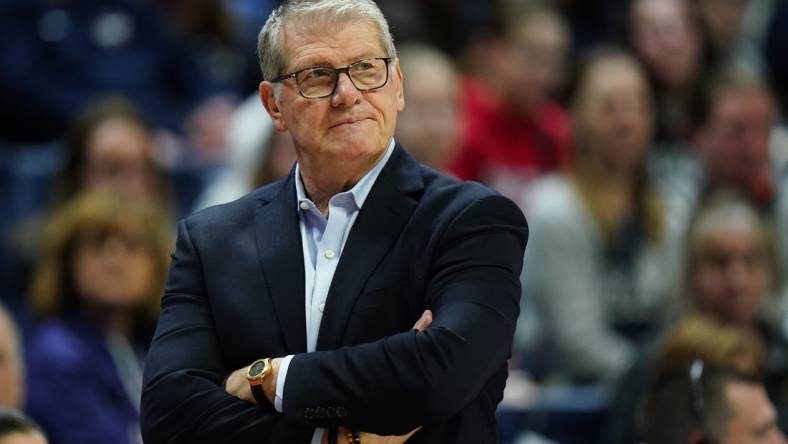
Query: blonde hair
[699,337]
[97,214]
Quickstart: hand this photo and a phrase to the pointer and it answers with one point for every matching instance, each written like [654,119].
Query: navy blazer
[235,293]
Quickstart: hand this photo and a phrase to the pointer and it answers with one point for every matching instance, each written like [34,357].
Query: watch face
[257,368]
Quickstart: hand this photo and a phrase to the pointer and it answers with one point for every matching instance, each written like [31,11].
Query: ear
[400,87]
[269,100]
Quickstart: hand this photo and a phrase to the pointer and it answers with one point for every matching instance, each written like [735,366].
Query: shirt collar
[360,190]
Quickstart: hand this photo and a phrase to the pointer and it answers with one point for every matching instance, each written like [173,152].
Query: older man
[301,297]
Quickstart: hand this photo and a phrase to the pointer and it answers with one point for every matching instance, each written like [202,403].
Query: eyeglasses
[320,82]
[697,399]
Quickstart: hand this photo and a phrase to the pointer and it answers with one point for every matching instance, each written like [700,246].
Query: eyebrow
[329,65]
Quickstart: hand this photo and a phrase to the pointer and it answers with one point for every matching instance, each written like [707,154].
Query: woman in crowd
[666,37]
[600,264]
[96,289]
[111,145]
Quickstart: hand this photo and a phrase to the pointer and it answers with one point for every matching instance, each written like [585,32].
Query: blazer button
[320,412]
[341,412]
[331,412]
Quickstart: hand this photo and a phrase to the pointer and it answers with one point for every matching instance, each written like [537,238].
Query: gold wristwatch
[256,375]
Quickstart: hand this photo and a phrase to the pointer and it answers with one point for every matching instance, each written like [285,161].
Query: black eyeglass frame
[337,71]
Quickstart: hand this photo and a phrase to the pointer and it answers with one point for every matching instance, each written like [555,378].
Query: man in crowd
[710,404]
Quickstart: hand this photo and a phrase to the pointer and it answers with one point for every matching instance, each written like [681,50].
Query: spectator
[16,428]
[111,145]
[708,403]
[429,126]
[602,260]
[96,288]
[514,131]
[666,37]
[731,269]
[730,277]
[737,140]
[735,120]
[12,369]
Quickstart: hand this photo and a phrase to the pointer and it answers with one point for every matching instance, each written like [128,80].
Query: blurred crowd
[644,140]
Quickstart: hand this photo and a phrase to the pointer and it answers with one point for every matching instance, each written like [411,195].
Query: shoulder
[452,196]
[231,215]
[58,343]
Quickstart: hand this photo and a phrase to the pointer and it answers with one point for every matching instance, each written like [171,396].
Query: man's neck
[324,178]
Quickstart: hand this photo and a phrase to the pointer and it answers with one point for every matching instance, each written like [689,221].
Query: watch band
[259,395]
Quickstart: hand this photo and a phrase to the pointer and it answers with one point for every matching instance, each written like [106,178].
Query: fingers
[424,321]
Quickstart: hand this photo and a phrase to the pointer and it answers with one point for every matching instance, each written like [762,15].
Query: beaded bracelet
[353,437]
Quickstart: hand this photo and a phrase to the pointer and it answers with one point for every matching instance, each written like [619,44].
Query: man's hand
[238,386]
[424,321]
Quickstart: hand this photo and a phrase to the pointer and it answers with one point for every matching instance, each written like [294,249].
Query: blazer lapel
[282,260]
[378,225]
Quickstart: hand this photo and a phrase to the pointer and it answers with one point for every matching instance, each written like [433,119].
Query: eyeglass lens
[365,75]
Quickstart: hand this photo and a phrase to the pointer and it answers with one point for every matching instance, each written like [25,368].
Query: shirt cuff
[280,383]
[317,436]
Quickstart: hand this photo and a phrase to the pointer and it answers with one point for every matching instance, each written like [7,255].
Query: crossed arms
[389,386]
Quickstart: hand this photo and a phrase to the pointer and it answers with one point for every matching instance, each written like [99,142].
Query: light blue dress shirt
[323,240]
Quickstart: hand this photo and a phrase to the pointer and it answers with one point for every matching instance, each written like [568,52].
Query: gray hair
[270,52]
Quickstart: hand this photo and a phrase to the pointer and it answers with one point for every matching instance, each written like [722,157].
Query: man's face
[348,125]
[754,420]
[731,275]
[734,144]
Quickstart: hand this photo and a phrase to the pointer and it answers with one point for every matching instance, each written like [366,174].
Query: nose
[345,94]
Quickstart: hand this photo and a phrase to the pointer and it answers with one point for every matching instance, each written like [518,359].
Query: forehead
[742,100]
[659,10]
[334,42]
[614,78]
[749,402]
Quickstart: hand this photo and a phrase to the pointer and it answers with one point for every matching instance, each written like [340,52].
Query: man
[710,404]
[324,273]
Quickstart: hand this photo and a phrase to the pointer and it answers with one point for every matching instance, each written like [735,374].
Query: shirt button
[304,205]
[329,254]
[321,307]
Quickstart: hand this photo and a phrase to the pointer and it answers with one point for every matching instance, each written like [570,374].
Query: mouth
[349,121]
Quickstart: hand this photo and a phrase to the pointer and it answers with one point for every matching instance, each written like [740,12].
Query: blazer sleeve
[183,400]
[397,383]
